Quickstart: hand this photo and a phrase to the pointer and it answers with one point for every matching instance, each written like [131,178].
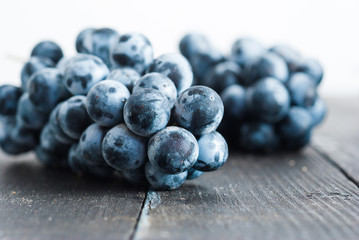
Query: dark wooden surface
[39,203]
[299,196]
[338,138]
[308,195]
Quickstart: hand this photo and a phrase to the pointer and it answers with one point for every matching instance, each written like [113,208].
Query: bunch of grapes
[114,108]
[270,95]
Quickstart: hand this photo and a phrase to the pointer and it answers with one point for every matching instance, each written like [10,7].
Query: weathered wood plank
[338,138]
[38,203]
[286,196]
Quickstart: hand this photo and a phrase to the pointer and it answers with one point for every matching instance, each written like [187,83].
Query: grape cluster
[270,95]
[113,108]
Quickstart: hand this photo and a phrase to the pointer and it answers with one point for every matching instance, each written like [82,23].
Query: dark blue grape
[173,150]
[311,67]
[213,152]
[105,102]
[6,125]
[132,50]
[193,174]
[80,166]
[258,137]
[202,62]
[32,66]
[56,129]
[194,43]
[297,143]
[290,55]
[136,176]
[124,150]
[318,111]
[9,97]
[175,67]
[46,89]
[48,49]
[75,160]
[49,143]
[146,112]
[159,82]
[9,146]
[83,41]
[234,101]
[223,75]
[28,115]
[246,50]
[302,89]
[102,40]
[24,136]
[73,118]
[51,152]
[83,72]
[268,100]
[125,75]
[199,109]
[90,145]
[50,159]
[163,181]
[296,124]
[268,65]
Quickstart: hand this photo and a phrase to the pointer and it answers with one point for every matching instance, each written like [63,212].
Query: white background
[324,29]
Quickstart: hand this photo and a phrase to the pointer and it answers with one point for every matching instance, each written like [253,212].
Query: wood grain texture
[285,196]
[338,138]
[39,203]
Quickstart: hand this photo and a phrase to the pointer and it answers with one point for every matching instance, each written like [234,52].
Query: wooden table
[308,195]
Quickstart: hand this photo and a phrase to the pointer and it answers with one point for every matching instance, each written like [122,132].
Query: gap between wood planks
[336,165]
[138,220]
[151,200]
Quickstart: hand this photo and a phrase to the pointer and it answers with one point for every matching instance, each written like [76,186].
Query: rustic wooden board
[38,203]
[338,138]
[285,196]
